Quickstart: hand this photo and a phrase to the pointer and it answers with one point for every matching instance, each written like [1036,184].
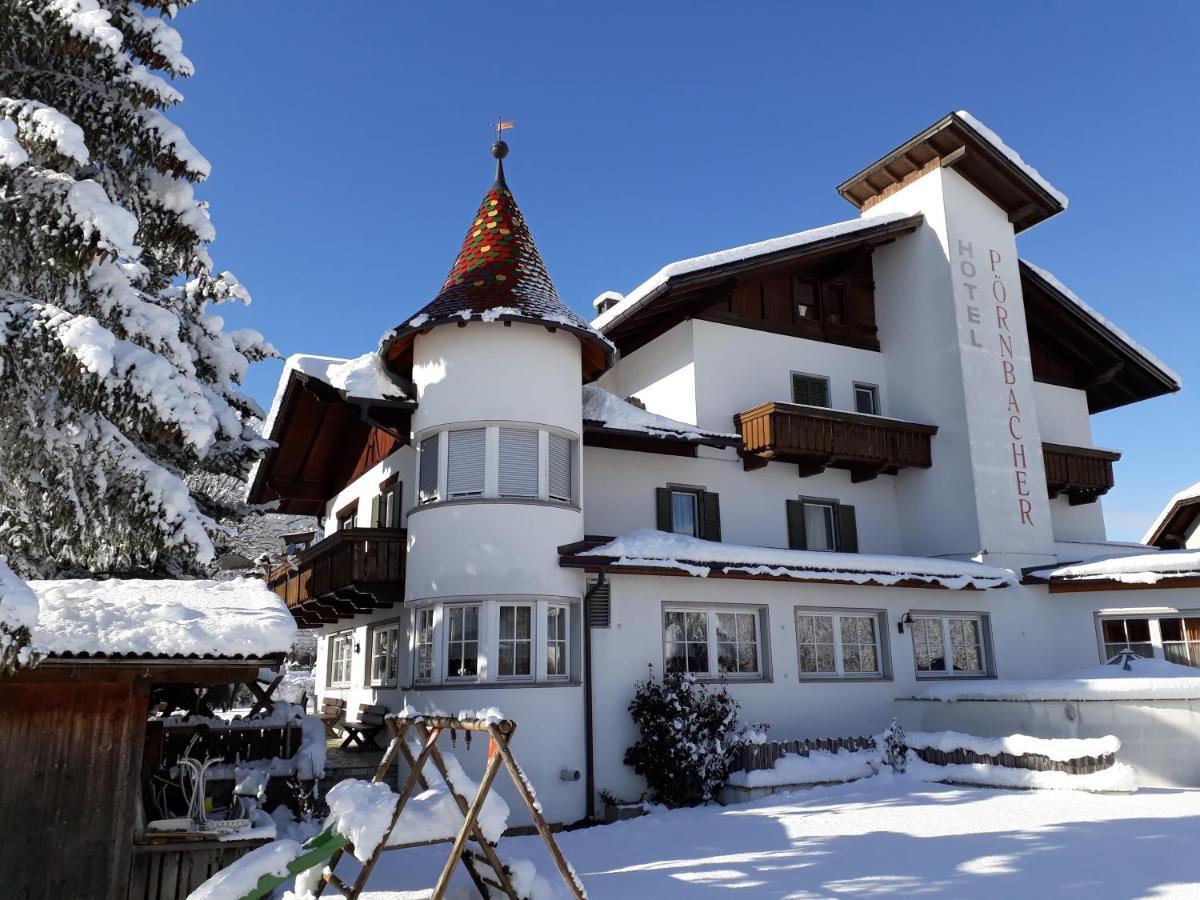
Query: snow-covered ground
[883,837]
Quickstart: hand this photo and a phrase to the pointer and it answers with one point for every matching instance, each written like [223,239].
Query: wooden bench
[362,732]
[333,711]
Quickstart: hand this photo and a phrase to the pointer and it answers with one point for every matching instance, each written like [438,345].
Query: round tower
[498,361]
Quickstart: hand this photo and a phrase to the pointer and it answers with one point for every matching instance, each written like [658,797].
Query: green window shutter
[710,512]
[847,529]
[662,499]
[375,522]
[810,391]
[797,539]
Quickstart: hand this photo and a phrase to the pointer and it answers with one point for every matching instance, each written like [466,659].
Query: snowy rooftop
[1146,679]
[649,288]
[1137,568]
[606,409]
[1189,493]
[137,617]
[1012,156]
[648,548]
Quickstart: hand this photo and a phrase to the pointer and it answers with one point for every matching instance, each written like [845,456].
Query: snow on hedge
[1116,778]
[659,279]
[658,549]
[1058,749]
[1138,568]
[607,409]
[818,767]
[162,618]
[1146,679]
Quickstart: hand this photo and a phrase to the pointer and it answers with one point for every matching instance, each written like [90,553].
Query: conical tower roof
[499,275]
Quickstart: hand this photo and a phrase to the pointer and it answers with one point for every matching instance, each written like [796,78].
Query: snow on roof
[652,285]
[1137,568]
[1106,324]
[1015,158]
[607,409]
[658,549]
[1188,493]
[1146,679]
[167,618]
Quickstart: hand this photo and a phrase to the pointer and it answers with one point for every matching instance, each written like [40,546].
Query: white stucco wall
[1063,415]
[401,463]
[662,374]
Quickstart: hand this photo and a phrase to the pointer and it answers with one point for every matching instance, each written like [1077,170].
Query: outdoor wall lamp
[358,646]
[905,619]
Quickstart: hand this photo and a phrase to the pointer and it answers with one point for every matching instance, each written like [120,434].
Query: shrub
[686,735]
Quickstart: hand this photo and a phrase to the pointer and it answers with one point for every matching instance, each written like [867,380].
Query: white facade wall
[662,374]
[401,463]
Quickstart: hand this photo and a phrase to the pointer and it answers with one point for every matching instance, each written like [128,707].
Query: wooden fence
[751,757]
[166,744]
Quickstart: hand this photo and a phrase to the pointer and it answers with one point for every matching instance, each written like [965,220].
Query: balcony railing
[352,571]
[814,438]
[1084,474]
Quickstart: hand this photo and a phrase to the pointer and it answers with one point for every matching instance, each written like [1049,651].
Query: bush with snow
[686,736]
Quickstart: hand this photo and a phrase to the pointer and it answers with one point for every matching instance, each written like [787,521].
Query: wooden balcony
[816,438]
[1084,474]
[350,572]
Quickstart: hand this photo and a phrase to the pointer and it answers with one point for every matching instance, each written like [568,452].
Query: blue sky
[349,145]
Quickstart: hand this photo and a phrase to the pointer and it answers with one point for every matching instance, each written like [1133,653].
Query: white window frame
[508,492]
[694,496]
[563,610]
[418,644]
[1154,617]
[837,614]
[985,660]
[392,629]
[835,539]
[346,639]
[873,390]
[429,447]
[532,640]
[447,617]
[711,612]
[451,463]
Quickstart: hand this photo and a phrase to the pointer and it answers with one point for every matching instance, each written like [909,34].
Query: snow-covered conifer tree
[116,378]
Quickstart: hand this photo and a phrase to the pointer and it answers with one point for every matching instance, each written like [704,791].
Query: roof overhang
[318,430]
[596,434]
[1171,532]
[956,142]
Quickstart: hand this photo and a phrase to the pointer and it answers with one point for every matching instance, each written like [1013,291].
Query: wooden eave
[953,143]
[595,434]
[1172,532]
[688,295]
[91,667]
[320,431]
[1072,349]
[1083,585]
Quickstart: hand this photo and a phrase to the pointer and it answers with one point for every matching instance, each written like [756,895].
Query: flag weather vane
[502,126]
[500,149]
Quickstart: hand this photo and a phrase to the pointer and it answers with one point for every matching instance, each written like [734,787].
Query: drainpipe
[588,730]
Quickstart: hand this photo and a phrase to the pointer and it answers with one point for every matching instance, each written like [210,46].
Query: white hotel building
[827,468]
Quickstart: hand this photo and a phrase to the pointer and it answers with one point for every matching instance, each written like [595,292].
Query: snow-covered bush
[894,746]
[686,735]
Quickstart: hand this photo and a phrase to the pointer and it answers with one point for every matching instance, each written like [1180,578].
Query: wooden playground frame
[428,730]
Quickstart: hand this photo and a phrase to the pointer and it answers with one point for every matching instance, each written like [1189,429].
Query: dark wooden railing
[351,571]
[815,438]
[1084,474]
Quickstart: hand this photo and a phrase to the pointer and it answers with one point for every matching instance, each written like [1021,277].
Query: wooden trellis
[428,729]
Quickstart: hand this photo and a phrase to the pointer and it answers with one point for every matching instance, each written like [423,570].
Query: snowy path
[879,838]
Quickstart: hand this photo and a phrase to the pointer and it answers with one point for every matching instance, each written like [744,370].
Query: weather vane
[502,126]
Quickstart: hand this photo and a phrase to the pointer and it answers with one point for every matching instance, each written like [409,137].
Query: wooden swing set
[482,862]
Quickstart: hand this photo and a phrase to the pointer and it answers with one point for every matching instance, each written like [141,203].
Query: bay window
[423,645]
[385,648]
[518,463]
[713,642]
[465,459]
[839,644]
[557,642]
[950,645]
[516,640]
[462,641]
[498,462]
[1173,636]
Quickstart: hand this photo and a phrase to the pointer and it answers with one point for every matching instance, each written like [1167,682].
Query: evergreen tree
[116,378]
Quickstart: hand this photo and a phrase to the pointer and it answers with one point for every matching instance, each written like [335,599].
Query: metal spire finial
[500,149]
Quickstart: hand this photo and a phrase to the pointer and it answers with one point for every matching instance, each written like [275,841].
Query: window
[691,511]
[427,488]
[1174,637]
[949,645]
[385,645]
[712,642]
[810,390]
[866,399]
[838,644]
[462,641]
[1127,634]
[815,524]
[385,508]
[465,455]
[341,650]
[805,296]
[516,641]
[1181,640]
[423,645]
[833,302]
[556,642]
[560,480]
[347,516]
[518,463]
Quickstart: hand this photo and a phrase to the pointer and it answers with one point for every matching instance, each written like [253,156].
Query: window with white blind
[560,481]
[518,463]
[427,490]
[465,462]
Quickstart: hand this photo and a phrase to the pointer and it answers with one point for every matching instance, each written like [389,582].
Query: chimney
[607,301]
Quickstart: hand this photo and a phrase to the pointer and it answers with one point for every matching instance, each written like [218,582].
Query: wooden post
[460,840]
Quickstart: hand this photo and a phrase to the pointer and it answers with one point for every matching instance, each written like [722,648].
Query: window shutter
[797,539]
[710,513]
[428,481]
[810,391]
[376,521]
[560,480]
[599,604]
[662,500]
[847,529]
[465,461]
[518,463]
